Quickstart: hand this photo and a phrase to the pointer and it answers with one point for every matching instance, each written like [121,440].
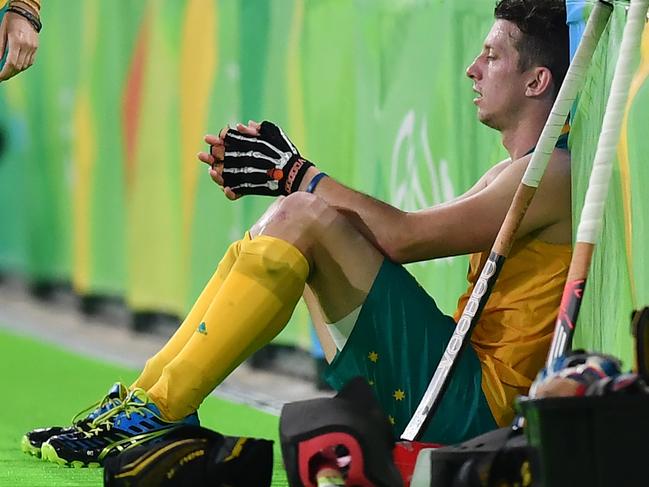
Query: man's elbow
[401,249]
[404,244]
[395,255]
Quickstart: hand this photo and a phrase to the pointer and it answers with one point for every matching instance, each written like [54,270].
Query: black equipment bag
[499,458]
[640,330]
[351,421]
[193,456]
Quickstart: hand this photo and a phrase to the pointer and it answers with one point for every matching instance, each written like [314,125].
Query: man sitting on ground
[343,251]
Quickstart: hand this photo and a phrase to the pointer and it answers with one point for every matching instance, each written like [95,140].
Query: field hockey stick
[592,216]
[480,294]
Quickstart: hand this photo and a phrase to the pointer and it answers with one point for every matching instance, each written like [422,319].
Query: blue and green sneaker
[135,422]
[32,442]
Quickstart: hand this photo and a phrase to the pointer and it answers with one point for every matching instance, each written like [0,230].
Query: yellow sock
[253,305]
[153,368]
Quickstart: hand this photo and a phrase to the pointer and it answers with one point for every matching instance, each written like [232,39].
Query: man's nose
[472,69]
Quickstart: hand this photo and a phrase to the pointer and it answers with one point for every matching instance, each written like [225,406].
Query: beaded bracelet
[35,5]
[31,18]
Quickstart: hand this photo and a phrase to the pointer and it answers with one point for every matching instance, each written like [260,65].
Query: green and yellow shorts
[396,344]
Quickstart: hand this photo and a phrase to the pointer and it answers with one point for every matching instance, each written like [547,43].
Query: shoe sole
[29,449]
[49,453]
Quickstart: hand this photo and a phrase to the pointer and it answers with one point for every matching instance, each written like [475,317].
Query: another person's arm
[19,36]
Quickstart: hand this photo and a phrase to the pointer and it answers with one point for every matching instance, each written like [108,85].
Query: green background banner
[99,184]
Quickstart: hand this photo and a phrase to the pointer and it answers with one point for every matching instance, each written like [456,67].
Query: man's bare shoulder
[495,170]
[557,173]
[558,168]
[549,215]
[560,161]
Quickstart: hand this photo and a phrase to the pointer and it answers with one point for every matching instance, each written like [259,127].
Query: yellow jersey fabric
[513,335]
[3,3]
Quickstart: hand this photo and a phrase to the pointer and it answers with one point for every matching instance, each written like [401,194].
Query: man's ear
[540,82]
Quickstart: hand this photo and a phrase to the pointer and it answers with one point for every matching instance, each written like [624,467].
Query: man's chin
[485,119]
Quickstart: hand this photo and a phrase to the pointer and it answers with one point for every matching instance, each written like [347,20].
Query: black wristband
[31,18]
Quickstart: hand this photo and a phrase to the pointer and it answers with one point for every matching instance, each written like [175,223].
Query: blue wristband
[314,182]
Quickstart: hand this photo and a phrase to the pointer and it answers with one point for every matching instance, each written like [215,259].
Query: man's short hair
[545,40]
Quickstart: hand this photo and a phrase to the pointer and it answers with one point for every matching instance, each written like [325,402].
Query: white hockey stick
[592,216]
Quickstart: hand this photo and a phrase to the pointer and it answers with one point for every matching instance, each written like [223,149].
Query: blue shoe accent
[116,394]
[141,415]
[202,328]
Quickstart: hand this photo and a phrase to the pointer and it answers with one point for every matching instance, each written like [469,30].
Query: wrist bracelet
[31,18]
[314,182]
[34,5]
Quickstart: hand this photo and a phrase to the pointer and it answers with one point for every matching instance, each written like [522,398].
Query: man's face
[497,80]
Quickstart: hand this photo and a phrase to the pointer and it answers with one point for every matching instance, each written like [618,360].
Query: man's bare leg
[320,324]
[344,263]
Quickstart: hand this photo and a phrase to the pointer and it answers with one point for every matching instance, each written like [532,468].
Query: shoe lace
[127,407]
[106,401]
[97,429]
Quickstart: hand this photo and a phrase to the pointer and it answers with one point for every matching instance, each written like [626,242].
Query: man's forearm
[379,222]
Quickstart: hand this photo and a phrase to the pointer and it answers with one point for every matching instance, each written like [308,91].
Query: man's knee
[260,224]
[301,219]
[304,210]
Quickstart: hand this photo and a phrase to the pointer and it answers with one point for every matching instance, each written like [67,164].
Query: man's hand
[260,160]
[20,41]
[217,152]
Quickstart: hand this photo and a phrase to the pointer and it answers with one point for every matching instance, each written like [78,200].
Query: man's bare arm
[467,224]
[373,218]
[464,225]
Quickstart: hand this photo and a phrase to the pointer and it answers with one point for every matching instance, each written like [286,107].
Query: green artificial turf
[43,385]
